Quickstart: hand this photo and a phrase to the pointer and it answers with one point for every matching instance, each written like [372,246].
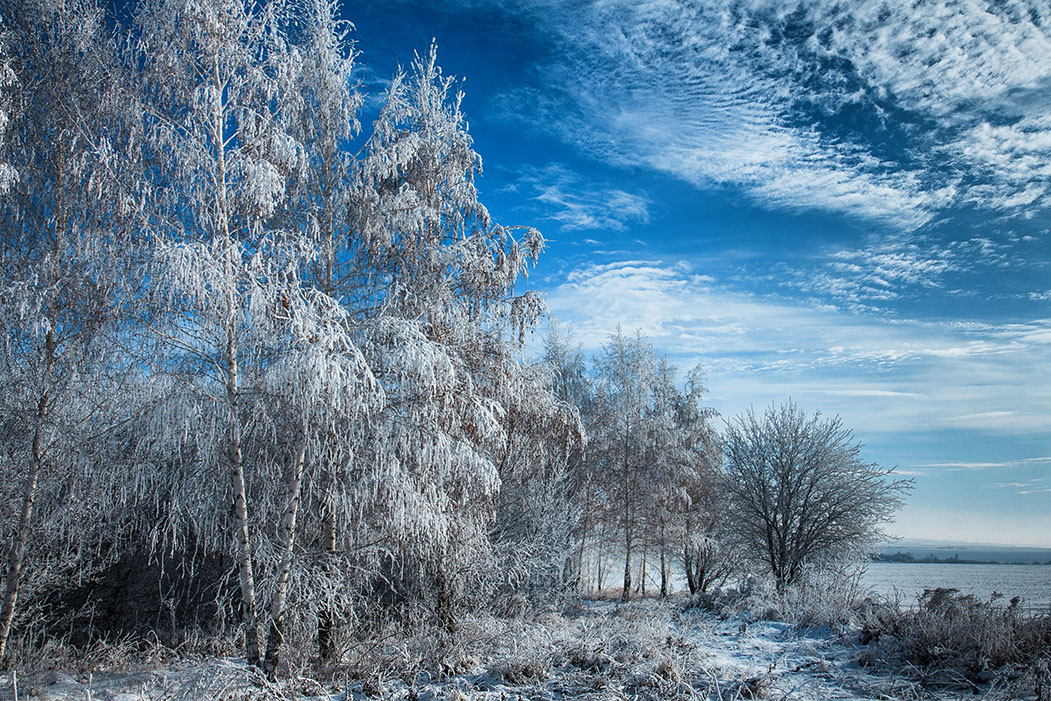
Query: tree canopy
[799,493]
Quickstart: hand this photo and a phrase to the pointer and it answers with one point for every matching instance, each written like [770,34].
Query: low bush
[958,641]
[820,599]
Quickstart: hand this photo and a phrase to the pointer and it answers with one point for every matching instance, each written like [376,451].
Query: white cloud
[993,465]
[868,393]
[681,100]
[1033,486]
[579,205]
[897,268]
[877,274]
[944,55]
[883,375]
[765,95]
[978,70]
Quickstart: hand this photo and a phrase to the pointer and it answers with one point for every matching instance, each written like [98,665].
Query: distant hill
[960,552]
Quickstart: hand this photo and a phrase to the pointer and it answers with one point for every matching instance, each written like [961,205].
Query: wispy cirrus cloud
[870,277]
[887,111]
[1036,485]
[576,204]
[684,90]
[996,465]
[868,393]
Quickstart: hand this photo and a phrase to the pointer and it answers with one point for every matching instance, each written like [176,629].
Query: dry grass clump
[595,650]
[820,599]
[639,650]
[123,654]
[960,642]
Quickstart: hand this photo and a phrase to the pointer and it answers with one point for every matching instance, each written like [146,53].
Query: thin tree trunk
[642,570]
[242,543]
[326,625]
[687,562]
[288,539]
[446,615]
[18,548]
[583,538]
[626,592]
[600,562]
[664,567]
[326,620]
[16,556]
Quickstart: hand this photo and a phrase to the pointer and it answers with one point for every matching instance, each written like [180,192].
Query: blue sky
[843,203]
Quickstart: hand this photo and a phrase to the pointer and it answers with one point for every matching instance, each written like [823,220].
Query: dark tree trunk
[687,561]
[326,622]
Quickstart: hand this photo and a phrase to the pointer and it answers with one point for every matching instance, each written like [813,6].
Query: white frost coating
[63,244]
[323,337]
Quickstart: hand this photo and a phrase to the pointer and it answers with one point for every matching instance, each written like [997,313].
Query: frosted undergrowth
[601,650]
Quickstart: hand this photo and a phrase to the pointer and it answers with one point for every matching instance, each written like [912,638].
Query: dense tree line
[651,462]
[278,352]
[235,324]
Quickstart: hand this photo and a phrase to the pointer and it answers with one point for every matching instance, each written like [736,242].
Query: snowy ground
[644,650]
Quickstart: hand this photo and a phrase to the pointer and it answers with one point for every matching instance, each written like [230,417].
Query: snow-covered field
[644,650]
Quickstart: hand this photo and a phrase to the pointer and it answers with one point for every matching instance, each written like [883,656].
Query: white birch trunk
[287,544]
[242,544]
[326,617]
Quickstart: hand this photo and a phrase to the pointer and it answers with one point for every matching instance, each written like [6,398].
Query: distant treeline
[935,560]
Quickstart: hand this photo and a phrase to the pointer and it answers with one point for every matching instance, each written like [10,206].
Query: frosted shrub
[826,598]
[960,641]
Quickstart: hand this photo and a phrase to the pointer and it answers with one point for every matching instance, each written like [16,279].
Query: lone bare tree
[799,493]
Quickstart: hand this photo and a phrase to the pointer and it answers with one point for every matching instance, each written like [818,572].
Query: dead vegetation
[646,649]
[956,641]
[722,646]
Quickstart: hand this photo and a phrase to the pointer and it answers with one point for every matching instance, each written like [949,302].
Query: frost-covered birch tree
[321,205]
[217,75]
[63,239]
[682,457]
[537,509]
[569,383]
[651,446]
[315,407]
[443,322]
[9,95]
[325,345]
[618,428]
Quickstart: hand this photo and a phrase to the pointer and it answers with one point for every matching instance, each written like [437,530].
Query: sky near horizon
[847,204]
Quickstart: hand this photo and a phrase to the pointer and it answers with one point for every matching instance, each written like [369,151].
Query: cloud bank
[913,375]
